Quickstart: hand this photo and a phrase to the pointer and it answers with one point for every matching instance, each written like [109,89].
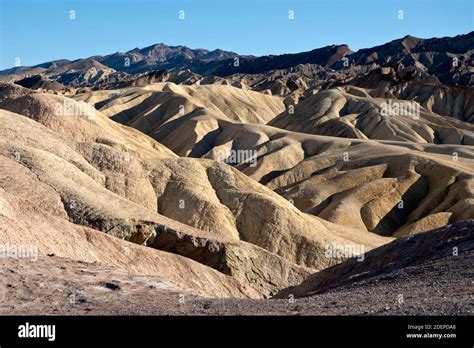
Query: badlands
[187,186]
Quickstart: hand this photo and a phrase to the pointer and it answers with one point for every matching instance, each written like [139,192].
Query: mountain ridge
[434,55]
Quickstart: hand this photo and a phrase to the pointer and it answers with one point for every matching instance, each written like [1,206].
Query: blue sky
[37,31]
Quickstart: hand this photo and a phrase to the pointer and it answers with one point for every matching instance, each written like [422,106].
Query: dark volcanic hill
[161,56]
[450,60]
[324,56]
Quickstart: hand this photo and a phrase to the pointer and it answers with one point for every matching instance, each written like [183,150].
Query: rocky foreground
[427,274]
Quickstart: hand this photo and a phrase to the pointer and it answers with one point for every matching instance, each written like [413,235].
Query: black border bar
[249,330]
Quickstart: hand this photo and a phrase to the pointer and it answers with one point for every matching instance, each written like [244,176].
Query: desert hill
[106,179]
[353,113]
[163,103]
[353,182]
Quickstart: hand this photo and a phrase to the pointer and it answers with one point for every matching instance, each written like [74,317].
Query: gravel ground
[58,286]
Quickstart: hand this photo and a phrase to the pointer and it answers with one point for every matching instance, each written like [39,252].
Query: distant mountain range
[451,60]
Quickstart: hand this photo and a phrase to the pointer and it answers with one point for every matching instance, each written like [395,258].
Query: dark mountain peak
[433,55]
[341,48]
[409,38]
[324,56]
[219,54]
[155,47]
[158,44]
[411,44]
[456,44]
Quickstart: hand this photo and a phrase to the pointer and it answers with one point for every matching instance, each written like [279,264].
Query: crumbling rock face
[56,195]
[236,207]
[262,270]
[32,215]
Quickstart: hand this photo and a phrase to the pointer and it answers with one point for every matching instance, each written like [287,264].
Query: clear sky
[37,31]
